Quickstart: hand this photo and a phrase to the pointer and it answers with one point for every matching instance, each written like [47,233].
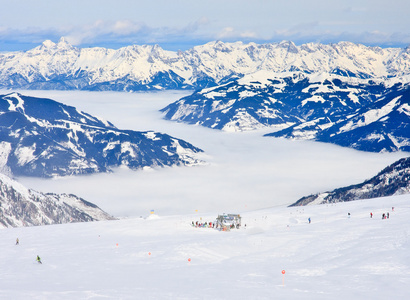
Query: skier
[348,215]
[309,220]
[383,216]
[39,260]
[371,215]
[17,241]
[388,215]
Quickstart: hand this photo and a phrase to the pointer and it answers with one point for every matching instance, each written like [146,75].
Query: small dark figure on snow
[348,215]
[383,216]
[371,215]
[17,241]
[39,259]
[309,220]
[388,215]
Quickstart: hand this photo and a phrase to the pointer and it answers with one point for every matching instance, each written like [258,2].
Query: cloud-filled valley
[245,170]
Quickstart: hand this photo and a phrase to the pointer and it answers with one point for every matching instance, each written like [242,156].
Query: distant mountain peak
[62,40]
[289,46]
[149,67]
[64,44]
[48,44]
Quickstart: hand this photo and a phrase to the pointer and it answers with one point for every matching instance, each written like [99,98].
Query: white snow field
[334,257]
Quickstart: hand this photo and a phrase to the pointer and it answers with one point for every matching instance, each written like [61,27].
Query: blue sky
[181,24]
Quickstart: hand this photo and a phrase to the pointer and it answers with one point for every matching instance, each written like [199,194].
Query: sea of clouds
[244,171]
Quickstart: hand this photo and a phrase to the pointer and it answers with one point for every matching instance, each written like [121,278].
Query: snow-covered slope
[393,180]
[334,257]
[264,99]
[20,206]
[62,66]
[42,137]
[382,125]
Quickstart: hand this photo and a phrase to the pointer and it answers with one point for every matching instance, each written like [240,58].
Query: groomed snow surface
[334,257]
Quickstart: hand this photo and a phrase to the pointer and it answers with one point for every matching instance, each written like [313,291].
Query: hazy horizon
[179,25]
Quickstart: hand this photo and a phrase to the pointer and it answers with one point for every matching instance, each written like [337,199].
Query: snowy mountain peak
[289,46]
[48,44]
[62,40]
[64,44]
[48,47]
[147,67]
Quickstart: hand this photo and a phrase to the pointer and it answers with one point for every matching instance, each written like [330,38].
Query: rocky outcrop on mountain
[65,67]
[44,138]
[20,206]
[393,180]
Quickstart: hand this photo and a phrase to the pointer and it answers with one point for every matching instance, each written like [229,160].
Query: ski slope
[334,257]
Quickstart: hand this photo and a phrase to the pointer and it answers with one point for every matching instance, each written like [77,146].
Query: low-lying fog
[245,170]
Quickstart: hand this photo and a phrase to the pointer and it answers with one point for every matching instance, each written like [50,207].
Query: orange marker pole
[283,277]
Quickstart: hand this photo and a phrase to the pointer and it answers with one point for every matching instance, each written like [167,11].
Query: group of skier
[384,215]
[204,225]
[213,225]
[38,259]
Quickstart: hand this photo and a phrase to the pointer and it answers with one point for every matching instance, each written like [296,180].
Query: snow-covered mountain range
[20,206]
[325,92]
[45,138]
[365,114]
[263,99]
[63,66]
[393,180]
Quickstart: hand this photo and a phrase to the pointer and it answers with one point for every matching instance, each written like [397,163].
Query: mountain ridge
[365,114]
[392,180]
[145,67]
[45,138]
